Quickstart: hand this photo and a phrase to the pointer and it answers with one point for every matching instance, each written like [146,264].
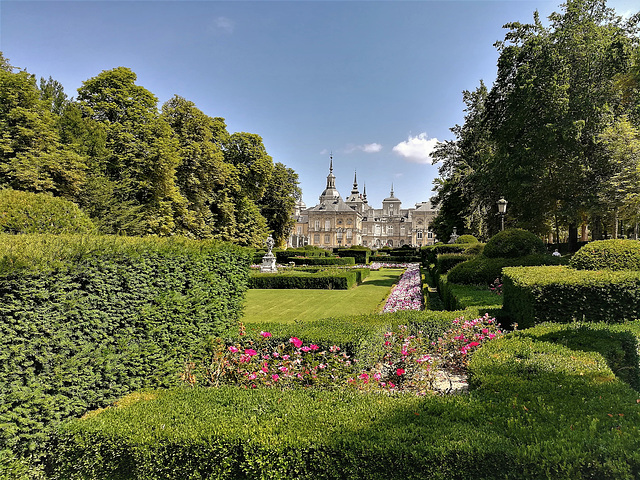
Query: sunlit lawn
[288,305]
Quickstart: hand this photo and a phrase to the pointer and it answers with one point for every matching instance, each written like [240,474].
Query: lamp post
[502,209]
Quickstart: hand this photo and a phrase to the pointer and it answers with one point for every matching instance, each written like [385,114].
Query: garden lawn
[289,305]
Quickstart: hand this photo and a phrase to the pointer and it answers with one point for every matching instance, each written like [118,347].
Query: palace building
[335,222]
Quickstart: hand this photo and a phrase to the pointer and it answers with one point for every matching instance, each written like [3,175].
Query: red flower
[400,371]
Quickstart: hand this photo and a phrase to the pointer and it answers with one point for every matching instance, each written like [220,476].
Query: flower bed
[409,362]
[407,294]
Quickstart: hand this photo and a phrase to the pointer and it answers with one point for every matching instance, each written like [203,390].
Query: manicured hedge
[85,320]
[608,255]
[466,239]
[537,410]
[483,271]
[361,255]
[429,254]
[534,295]
[323,261]
[394,259]
[323,280]
[26,212]
[512,243]
[446,261]
[457,297]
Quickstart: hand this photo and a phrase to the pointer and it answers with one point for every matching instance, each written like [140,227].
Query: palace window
[317,224]
[326,239]
[389,229]
[349,234]
[419,235]
[299,230]
[327,224]
[403,231]
[316,239]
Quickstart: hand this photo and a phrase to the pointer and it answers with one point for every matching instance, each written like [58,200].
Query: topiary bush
[513,243]
[608,255]
[26,212]
[466,239]
[483,271]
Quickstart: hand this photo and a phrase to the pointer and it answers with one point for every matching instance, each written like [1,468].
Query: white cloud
[223,25]
[366,148]
[417,149]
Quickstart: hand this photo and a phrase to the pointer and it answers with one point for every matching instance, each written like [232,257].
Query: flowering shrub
[251,363]
[407,294]
[496,286]
[409,362]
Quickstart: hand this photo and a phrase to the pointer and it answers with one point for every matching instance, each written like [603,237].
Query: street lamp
[502,209]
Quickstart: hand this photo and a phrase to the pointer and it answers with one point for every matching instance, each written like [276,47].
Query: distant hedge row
[540,407]
[86,320]
[324,279]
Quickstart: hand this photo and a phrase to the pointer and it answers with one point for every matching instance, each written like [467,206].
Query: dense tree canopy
[536,136]
[137,170]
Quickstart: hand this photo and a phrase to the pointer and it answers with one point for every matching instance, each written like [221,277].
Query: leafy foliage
[86,320]
[24,212]
[608,255]
[483,271]
[512,243]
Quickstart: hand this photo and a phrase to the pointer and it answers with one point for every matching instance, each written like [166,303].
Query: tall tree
[32,158]
[279,199]
[142,156]
[202,176]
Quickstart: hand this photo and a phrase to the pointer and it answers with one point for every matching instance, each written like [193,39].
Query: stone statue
[269,260]
[270,243]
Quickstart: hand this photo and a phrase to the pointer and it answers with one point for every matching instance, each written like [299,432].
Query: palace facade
[335,222]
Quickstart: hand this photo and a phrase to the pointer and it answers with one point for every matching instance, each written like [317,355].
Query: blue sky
[375,82]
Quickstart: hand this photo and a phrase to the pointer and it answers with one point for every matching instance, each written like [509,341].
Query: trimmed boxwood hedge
[360,254]
[608,255]
[537,409]
[429,254]
[323,261]
[561,294]
[446,261]
[483,271]
[323,280]
[85,320]
[512,243]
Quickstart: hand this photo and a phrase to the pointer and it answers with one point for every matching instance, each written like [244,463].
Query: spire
[330,193]
[364,193]
[391,190]
[354,191]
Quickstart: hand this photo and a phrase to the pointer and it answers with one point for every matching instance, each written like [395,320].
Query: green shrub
[466,239]
[86,320]
[323,261]
[429,254]
[474,249]
[446,261]
[360,254]
[323,280]
[513,243]
[608,255]
[538,410]
[483,271]
[26,212]
[534,295]
[457,297]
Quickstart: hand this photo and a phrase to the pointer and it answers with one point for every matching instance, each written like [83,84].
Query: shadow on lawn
[383,281]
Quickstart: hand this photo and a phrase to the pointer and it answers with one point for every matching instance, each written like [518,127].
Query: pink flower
[314,347]
[250,351]
[233,349]
[400,371]
[296,342]
[283,369]
[265,369]
[334,349]
[252,376]
[391,385]
[473,344]
[377,375]
[363,376]
[275,377]
[265,334]
[305,349]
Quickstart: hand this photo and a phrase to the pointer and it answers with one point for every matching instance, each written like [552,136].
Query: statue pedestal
[268,264]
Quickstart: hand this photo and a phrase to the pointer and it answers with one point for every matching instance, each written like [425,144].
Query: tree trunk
[615,222]
[573,237]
